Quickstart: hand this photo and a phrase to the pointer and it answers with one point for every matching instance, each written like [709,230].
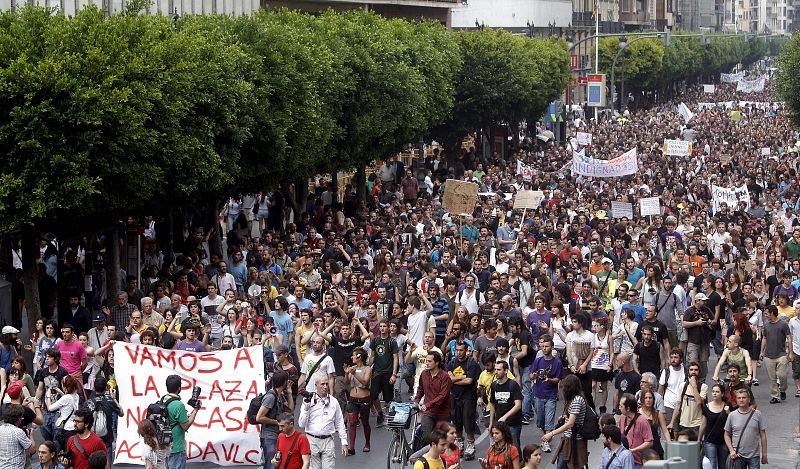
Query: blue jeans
[176,461]
[48,428]
[527,393]
[716,454]
[268,447]
[753,463]
[516,433]
[545,413]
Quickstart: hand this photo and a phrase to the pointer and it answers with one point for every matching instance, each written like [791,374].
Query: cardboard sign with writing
[649,206]
[725,159]
[766,151]
[584,138]
[677,147]
[459,196]
[528,199]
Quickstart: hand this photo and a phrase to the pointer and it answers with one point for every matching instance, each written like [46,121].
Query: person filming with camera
[321,417]
[179,420]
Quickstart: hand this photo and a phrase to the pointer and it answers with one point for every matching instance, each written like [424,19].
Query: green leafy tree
[788,78]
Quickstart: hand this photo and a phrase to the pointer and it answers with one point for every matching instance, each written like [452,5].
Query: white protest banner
[704,106]
[528,199]
[623,165]
[765,151]
[730,77]
[710,89]
[677,147]
[584,138]
[731,196]
[752,86]
[459,196]
[621,209]
[525,170]
[228,380]
[649,206]
[684,111]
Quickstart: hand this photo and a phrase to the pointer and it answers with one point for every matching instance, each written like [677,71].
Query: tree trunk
[360,180]
[215,242]
[30,277]
[335,185]
[113,286]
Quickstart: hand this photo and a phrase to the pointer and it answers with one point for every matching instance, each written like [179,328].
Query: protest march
[644,274]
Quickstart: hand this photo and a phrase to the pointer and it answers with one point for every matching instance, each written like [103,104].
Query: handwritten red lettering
[252,391]
[147,355]
[210,359]
[210,450]
[193,450]
[242,354]
[134,415]
[127,448]
[233,391]
[166,357]
[216,389]
[187,362]
[133,353]
[253,456]
[233,420]
[150,385]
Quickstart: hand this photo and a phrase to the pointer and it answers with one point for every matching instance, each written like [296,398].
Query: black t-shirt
[503,397]
[51,380]
[649,357]
[470,369]
[660,332]
[698,334]
[524,338]
[341,352]
[627,382]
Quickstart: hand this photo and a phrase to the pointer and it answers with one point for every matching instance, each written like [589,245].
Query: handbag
[60,423]
[738,463]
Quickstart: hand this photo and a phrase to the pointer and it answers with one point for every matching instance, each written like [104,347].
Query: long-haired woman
[656,419]
[712,427]
[502,454]
[575,413]
[358,377]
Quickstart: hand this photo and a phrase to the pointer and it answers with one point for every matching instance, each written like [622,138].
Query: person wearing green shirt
[793,245]
[180,421]
[607,272]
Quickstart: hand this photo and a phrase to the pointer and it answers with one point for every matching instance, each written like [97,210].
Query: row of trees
[101,117]
[651,65]
[788,77]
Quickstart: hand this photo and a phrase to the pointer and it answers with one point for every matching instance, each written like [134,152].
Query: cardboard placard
[528,199]
[621,210]
[459,196]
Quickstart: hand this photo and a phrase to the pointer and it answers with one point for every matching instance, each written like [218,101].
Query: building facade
[162,7]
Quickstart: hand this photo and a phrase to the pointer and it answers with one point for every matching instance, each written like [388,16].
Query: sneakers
[460,444]
[754,382]
[381,420]
[546,446]
[469,452]
[526,420]
[774,400]
[783,395]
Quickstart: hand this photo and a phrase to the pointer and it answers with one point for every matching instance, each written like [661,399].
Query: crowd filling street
[647,328]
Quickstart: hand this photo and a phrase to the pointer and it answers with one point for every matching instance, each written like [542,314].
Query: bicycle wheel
[398,454]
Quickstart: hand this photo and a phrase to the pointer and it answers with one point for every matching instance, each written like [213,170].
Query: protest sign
[525,170]
[684,111]
[459,196]
[730,77]
[709,89]
[228,380]
[584,138]
[677,147]
[649,206]
[621,210]
[731,196]
[623,165]
[765,151]
[725,159]
[528,199]
[755,85]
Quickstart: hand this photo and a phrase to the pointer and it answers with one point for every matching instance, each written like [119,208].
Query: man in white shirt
[419,320]
[321,417]
[223,279]
[794,329]
[324,369]
[470,297]
[670,383]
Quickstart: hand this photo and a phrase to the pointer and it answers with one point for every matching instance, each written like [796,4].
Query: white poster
[528,199]
[684,111]
[525,170]
[621,209]
[228,380]
[584,138]
[752,86]
[649,206]
[709,89]
[766,151]
[623,165]
[730,77]
[731,196]
[677,147]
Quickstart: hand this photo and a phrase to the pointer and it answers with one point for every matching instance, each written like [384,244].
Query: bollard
[671,463]
[688,450]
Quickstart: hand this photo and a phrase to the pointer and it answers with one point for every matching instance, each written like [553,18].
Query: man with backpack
[671,382]
[84,443]
[103,409]
[179,421]
[433,458]
[275,402]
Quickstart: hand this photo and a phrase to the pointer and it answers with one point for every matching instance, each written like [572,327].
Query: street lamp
[622,46]
[530,29]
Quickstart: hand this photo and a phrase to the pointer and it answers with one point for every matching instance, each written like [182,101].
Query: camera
[652,291]
[194,401]
[306,395]
[273,330]
[64,457]
[278,457]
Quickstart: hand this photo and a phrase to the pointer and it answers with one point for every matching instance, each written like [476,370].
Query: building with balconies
[438,10]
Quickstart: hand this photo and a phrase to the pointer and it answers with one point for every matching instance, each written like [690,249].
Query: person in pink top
[73,355]
[635,427]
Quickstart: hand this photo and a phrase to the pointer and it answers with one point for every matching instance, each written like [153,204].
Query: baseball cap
[10,330]
[606,260]
[99,317]
[15,389]
[700,297]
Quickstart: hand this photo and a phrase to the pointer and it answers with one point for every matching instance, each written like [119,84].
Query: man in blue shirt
[283,322]
[615,456]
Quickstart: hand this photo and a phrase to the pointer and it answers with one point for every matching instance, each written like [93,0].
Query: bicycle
[401,414]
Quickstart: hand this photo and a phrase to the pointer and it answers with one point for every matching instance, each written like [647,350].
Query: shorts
[248,214]
[464,412]
[380,383]
[358,404]
[601,375]
[796,367]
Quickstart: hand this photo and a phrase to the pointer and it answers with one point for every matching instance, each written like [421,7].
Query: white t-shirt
[325,368]
[470,301]
[149,454]
[675,385]
[417,326]
[794,329]
[581,344]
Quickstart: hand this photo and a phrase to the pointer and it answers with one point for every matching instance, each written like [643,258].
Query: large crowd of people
[657,324]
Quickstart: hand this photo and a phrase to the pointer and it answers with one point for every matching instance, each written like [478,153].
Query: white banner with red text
[228,379]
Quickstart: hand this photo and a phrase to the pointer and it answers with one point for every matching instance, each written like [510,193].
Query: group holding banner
[623,165]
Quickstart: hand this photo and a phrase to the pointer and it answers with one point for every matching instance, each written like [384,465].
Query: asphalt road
[783,434]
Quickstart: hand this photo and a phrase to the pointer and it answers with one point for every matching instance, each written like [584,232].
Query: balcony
[584,20]
[635,19]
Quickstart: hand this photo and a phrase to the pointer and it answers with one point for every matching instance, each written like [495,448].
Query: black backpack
[158,413]
[590,430]
[252,409]
[426,464]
